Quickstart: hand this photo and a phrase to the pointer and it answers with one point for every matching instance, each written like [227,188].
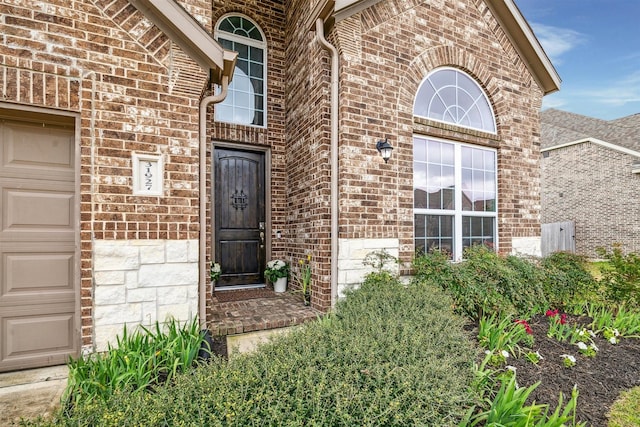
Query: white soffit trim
[594,141]
[346,8]
[187,33]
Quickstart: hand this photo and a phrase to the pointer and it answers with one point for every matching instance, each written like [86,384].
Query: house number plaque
[148,174]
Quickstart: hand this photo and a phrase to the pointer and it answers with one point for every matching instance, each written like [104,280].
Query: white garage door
[38,291]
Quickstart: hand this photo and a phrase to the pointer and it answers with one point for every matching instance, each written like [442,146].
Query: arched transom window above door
[245,101]
[451,96]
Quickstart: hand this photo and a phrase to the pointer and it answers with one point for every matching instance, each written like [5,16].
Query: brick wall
[106,61]
[593,186]
[309,151]
[385,52]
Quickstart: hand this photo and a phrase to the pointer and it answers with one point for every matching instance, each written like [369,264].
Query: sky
[595,47]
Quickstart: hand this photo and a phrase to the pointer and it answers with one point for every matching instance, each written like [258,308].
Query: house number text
[148,175]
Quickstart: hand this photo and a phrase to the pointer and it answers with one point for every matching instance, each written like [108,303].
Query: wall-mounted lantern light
[384,148]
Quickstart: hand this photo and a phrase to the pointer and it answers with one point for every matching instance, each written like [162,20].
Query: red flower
[563,318]
[551,313]
[524,323]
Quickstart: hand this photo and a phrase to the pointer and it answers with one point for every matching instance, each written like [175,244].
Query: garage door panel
[30,278]
[26,146]
[36,334]
[33,210]
[39,269]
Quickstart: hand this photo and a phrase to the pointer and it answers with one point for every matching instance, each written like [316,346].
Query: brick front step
[259,314]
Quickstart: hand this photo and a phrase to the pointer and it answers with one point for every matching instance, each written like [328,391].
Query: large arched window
[454,184]
[451,96]
[245,101]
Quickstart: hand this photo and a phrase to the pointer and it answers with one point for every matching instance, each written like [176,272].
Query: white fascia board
[345,8]
[526,43]
[533,40]
[343,4]
[594,141]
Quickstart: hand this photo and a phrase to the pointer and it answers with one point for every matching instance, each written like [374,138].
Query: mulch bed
[599,379]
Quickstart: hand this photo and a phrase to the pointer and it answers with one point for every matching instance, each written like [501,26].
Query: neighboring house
[591,176]
[123,175]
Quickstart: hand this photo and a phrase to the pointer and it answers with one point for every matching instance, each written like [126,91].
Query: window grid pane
[451,96]
[244,103]
[240,26]
[434,175]
[478,230]
[446,174]
[478,180]
[434,232]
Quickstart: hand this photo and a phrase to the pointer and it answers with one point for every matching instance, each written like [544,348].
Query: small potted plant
[277,272]
[305,279]
[214,272]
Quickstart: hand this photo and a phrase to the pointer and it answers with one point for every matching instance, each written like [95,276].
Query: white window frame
[248,42]
[457,212]
[481,93]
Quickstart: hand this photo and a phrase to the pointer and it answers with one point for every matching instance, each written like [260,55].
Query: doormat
[243,294]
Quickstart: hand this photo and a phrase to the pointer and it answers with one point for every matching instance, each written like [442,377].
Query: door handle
[262,239]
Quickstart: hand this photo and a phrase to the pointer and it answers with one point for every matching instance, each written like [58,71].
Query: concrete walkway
[31,393]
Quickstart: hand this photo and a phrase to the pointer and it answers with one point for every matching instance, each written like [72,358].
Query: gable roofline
[505,11]
[594,141]
[174,21]
[527,44]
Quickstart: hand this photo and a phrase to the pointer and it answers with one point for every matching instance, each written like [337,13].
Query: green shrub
[434,267]
[389,355]
[138,362]
[530,295]
[485,282]
[567,278]
[488,283]
[621,276]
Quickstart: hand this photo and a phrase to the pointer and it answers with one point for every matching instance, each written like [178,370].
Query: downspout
[334,157]
[202,283]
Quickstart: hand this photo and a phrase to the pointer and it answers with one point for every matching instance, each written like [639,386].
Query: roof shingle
[561,127]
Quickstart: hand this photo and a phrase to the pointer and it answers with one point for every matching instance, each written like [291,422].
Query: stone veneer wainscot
[352,253]
[139,282]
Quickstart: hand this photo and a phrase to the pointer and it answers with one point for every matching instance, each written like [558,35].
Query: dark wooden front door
[239,216]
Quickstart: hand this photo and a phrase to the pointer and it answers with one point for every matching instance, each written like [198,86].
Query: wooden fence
[558,236]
